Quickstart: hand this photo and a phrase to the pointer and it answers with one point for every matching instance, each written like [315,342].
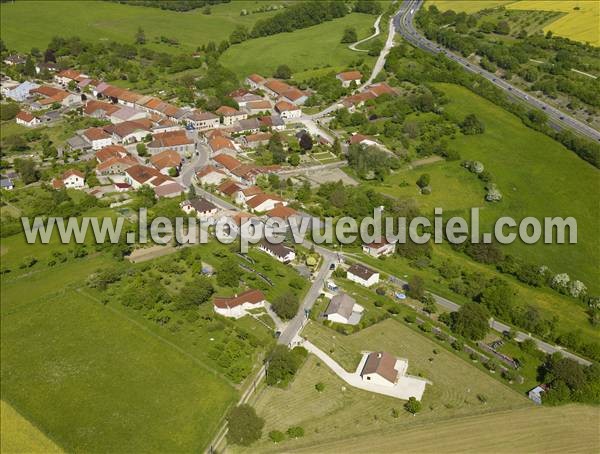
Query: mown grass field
[341,412]
[537,176]
[93,379]
[301,50]
[30,24]
[467,6]
[572,429]
[20,436]
[581,24]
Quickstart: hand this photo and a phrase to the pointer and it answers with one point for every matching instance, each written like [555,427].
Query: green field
[20,436]
[301,50]
[467,6]
[93,379]
[572,429]
[537,176]
[27,24]
[341,411]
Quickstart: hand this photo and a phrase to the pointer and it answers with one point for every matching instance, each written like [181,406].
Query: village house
[380,369]
[52,95]
[209,175]
[379,248]
[342,308]
[273,122]
[228,162]
[256,107]
[251,125]
[68,75]
[71,179]
[114,160]
[255,81]
[264,202]
[243,99]
[294,96]
[15,59]
[282,212]
[228,188]
[202,207]
[26,119]
[6,183]
[363,140]
[238,305]
[242,196]
[288,110]
[176,140]
[97,137]
[357,100]
[349,77]
[169,190]
[140,175]
[203,120]
[222,144]
[362,275]
[282,253]
[99,109]
[129,131]
[48,66]
[160,124]
[127,114]
[275,88]
[166,162]
[230,115]
[122,187]
[256,140]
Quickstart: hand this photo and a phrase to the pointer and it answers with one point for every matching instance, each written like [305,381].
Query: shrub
[295,432]
[320,386]
[276,436]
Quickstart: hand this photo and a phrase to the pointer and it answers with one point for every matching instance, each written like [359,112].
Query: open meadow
[528,167]
[301,50]
[30,24]
[340,411]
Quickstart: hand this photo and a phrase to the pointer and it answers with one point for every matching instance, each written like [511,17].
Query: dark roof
[341,304]
[361,271]
[202,205]
[280,250]
[381,363]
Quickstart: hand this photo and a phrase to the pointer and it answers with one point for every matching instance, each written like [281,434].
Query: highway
[403,22]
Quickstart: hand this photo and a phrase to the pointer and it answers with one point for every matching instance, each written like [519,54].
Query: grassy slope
[468,6]
[33,23]
[300,50]
[19,436]
[340,410]
[62,351]
[573,429]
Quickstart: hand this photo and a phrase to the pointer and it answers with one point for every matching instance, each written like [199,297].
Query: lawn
[34,23]
[340,409]
[579,24]
[301,50]
[573,428]
[20,436]
[69,362]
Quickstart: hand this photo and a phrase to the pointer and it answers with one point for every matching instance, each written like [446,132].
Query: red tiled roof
[170,139]
[219,142]
[228,187]
[350,75]
[282,211]
[70,172]
[260,198]
[293,94]
[208,169]
[25,116]
[229,162]
[283,106]
[166,159]
[277,86]
[96,134]
[226,111]
[111,151]
[251,296]
[256,78]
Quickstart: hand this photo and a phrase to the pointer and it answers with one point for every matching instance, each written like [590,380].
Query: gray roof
[341,304]
[5,182]
[250,123]
[202,205]
[78,143]
[361,271]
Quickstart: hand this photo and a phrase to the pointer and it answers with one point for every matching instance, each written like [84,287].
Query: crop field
[20,436]
[579,22]
[61,353]
[34,23]
[574,430]
[467,6]
[301,50]
[328,415]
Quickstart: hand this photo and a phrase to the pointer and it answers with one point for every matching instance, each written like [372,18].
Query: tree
[29,69]
[228,273]
[244,425]
[472,125]
[8,111]
[502,28]
[424,180]
[283,364]
[283,72]
[140,36]
[276,436]
[194,293]
[349,36]
[412,406]
[27,169]
[320,386]
[141,149]
[286,305]
[306,142]
[470,321]
[239,34]
[416,288]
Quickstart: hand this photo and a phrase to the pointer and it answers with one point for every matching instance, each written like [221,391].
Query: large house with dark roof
[343,309]
[280,251]
[362,275]
[380,369]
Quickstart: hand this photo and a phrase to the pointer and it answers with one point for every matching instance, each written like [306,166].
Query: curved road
[377,31]
[403,22]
